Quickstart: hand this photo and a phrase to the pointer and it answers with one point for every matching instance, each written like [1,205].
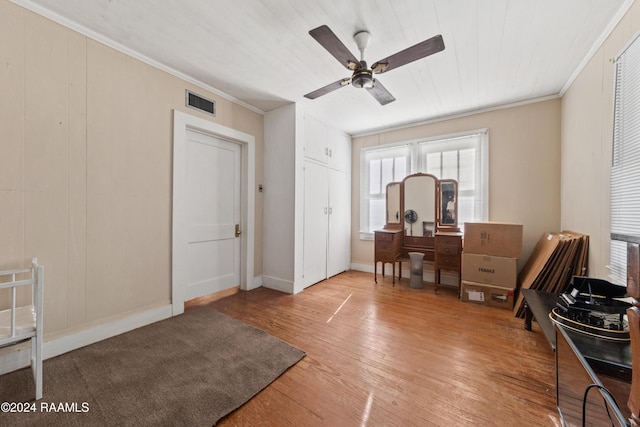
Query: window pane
[377,213]
[374,177]
[400,168]
[467,174]
[434,164]
[387,173]
[466,208]
[449,165]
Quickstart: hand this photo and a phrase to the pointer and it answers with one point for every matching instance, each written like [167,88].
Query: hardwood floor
[379,355]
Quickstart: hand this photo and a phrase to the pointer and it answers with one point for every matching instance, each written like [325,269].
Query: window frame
[415,164]
[625,161]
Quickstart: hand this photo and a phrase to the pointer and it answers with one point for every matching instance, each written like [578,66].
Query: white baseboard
[255,284]
[15,360]
[277,284]
[367,268]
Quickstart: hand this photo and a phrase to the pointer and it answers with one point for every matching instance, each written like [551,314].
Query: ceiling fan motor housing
[362,77]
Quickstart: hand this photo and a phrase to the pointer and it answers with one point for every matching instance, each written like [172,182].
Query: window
[379,167]
[463,157]
[625,161]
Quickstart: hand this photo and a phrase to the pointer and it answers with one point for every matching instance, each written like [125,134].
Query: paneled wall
[85,169]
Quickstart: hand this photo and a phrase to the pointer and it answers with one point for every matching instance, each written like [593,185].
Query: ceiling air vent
[199,103]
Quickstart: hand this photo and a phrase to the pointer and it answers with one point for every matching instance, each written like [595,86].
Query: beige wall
[85,169]
[587,117]
[524,168]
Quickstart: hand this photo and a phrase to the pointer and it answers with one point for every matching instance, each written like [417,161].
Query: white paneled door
[213,214]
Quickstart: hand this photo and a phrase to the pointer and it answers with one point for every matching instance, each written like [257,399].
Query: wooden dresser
[388,245]
[444,250]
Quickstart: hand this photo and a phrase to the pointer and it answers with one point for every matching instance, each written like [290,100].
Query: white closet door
[339,144]
[339,245]
[315,223]
[315,140]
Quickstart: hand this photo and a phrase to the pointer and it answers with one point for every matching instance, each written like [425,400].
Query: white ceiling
[497,52]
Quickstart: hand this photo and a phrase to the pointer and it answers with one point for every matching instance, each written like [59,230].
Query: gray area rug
[191,369]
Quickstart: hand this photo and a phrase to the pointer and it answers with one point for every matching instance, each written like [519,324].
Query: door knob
[238,232]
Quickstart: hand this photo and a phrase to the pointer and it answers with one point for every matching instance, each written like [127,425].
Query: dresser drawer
[448,249]
[419,241]
[448,261]
[384,246]
[449,240]
[384,237]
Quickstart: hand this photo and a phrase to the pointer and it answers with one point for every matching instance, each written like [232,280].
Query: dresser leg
[375,271]
[393,274]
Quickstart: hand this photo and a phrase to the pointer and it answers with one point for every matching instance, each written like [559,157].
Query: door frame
[179,277]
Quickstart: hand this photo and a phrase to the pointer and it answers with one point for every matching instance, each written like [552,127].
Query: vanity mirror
[419,205]
[448,200]
[393,205]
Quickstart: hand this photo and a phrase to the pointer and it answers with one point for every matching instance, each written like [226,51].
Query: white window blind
[625,160]
[463,157]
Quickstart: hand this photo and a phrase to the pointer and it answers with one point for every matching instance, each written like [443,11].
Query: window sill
[366,235]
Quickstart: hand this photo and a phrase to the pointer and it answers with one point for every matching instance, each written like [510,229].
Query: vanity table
[422,216]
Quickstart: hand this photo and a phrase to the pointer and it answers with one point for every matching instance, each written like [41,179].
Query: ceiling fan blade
[328,88]
[334,46]
[428,47]
[380,93]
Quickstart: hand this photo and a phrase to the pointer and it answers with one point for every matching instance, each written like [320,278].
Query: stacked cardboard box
[489,263]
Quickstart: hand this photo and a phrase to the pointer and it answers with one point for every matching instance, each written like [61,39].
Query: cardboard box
[493,238]
[491,270]
[492,296]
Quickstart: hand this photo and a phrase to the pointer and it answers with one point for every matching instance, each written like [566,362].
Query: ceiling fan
[362,76]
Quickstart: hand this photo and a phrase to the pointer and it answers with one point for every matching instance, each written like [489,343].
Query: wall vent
[200,103]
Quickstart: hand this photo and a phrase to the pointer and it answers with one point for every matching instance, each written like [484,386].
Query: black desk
[538,305]
[606,357]
[575,374]
[582,360]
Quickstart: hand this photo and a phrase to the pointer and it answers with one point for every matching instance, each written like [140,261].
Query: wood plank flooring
[379,355]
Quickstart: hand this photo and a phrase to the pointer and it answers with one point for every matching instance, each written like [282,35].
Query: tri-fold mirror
[422,204]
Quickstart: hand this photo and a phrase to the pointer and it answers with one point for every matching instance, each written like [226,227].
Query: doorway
[213,209]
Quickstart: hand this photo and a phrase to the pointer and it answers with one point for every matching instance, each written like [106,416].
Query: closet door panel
[316,190]
[339,243]
[339,144]
[315,140]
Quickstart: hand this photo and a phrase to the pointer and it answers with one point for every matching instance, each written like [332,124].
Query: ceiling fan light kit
[362,76]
